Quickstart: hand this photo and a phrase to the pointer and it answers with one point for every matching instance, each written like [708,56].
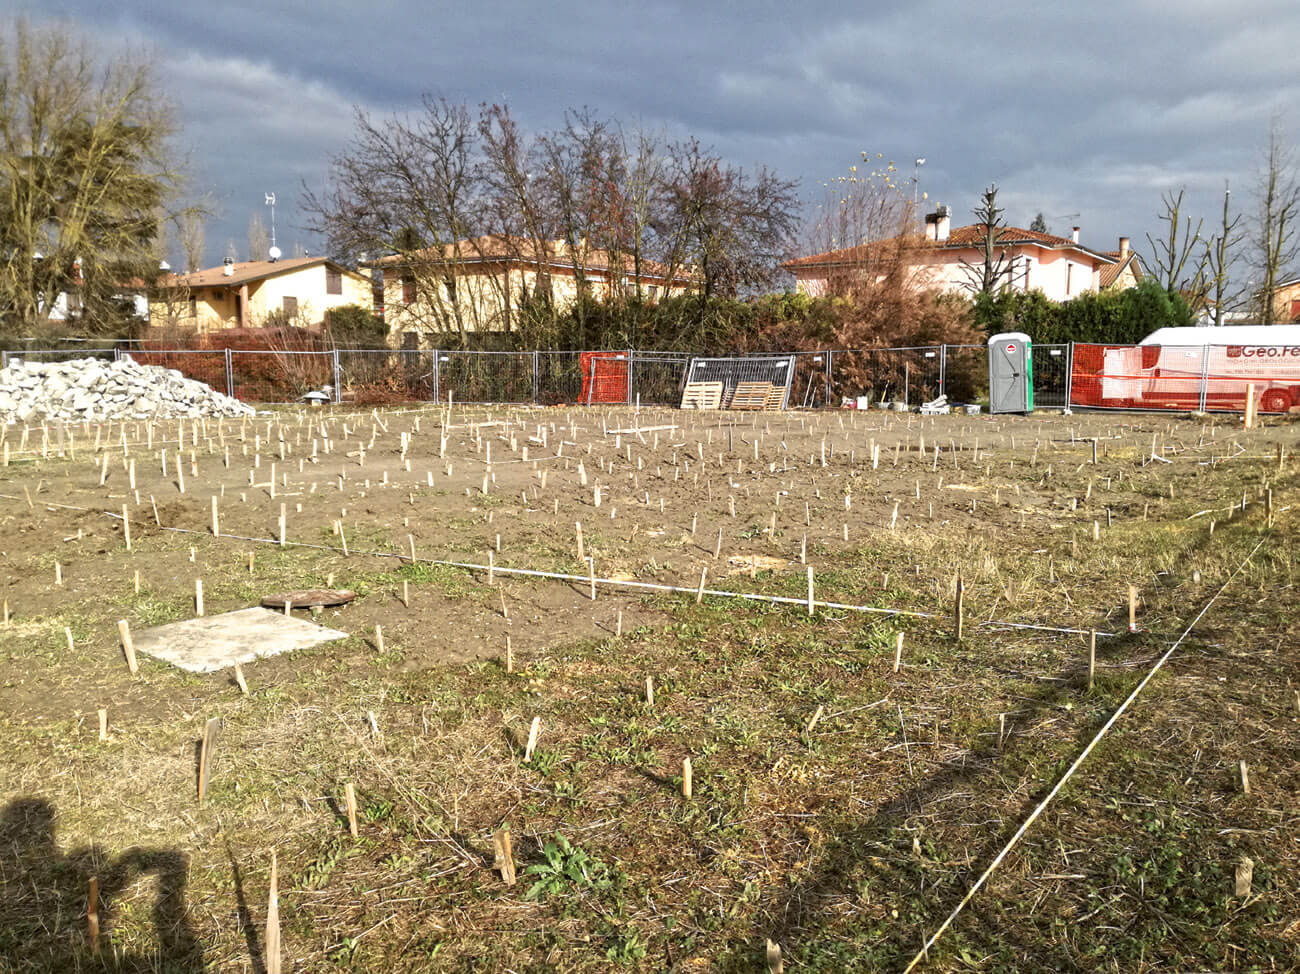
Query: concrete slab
[210,643]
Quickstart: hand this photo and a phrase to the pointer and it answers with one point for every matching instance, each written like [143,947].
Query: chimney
[1123,247]
[938,223]
[229,267]
[1074,235]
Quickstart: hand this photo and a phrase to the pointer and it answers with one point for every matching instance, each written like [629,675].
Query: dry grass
[846,843]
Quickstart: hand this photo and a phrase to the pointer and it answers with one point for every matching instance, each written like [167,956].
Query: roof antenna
[274,252]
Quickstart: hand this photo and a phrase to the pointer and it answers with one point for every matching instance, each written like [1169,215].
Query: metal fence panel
[280,376]
[375,376]
[1051,375]
[910,375]
[966,373]
[658,378]
[775,369]
[1147,377]
[505,377]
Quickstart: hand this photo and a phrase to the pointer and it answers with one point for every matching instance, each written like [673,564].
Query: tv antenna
[274,252]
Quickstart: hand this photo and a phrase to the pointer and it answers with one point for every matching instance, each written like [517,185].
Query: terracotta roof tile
[245,272]
[971,235]
[1110,272]
[557,254]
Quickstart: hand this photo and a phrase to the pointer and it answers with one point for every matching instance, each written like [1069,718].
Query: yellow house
[478,284]
[244,294]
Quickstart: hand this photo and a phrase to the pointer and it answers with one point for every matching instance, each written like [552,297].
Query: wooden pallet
[702,395]
[775,397]
[751,395]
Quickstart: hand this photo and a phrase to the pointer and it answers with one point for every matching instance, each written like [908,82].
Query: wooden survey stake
[503,855]
[207,751]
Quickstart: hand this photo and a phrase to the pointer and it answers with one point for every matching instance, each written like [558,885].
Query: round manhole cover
[309,598]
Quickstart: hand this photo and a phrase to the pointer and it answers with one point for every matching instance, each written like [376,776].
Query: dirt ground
[1048,520]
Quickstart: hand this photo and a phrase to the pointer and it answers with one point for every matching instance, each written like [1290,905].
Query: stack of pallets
[702,395]
[758,396]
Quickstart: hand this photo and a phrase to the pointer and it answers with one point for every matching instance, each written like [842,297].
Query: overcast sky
[1091,108]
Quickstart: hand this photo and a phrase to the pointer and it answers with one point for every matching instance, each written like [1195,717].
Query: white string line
[923,954]
[586,579]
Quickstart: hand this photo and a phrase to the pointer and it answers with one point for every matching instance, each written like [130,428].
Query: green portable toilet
[1011,373]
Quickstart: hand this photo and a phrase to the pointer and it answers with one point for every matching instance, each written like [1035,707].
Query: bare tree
[85,171]
[996,266]
[1221,252]
[642,197]
[581,165]
[1274,241]
[405,185]
[734,228]
[1179,257]
[259,241]
[193,239]
[865,226]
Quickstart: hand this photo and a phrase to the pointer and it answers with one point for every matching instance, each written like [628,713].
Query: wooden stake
[1244,775]
[814,720]
[699,592]
[103,724]
[92,915]
[126,527]
[128,646]
[198,596]
[578,532]
[775,965]
[207,749]
[216,521]
[1092,656]
[350,799]
[898,652]
[533,733]
[1245,875]
[810,590]
[650,691]
[239,678]
[510,655]
[1132,608]
[379,639]
[959,607]
[503,855]
[272,950]
[687,784]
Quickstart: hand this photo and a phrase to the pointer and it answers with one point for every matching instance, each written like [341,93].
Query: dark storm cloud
[1091,108]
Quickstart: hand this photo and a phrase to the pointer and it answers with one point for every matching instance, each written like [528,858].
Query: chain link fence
[821,378]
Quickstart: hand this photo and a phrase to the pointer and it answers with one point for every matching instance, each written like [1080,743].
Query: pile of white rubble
[95,389]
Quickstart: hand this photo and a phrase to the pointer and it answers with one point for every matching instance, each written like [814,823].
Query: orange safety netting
[1184,377]
[604,377]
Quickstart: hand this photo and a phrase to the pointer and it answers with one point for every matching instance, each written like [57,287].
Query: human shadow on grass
[44,898]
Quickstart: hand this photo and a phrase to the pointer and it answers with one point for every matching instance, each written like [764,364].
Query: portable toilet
[1011,373]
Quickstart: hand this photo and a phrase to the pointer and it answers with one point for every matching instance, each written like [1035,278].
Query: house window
[333,281]
[408,289]
[1295,310]
[194,307]
[449,285]
[1069,277]
[290,305]
[652,291]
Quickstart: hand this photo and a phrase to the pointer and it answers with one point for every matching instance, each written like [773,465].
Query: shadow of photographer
[44,898]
